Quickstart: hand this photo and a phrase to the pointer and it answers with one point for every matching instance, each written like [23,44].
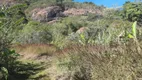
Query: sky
[106,3]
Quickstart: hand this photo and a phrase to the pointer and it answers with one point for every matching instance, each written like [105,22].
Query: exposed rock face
[74,11]
[54,12]
[47,14]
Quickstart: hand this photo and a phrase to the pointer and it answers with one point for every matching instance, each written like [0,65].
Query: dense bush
[34,32]
[93,17]
[10,25]
[132,11]
[7,56]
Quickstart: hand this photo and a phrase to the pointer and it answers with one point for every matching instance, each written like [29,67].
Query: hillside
[67,40]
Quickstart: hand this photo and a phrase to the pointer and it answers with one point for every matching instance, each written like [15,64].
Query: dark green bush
[7,56]
[132,11]
[10,67]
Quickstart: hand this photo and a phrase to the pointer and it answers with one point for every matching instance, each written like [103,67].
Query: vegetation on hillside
[132,11]
[97,44]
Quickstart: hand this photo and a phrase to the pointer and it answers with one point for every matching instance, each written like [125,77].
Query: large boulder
[47,14]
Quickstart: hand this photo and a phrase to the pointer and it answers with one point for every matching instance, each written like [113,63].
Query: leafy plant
[4,72]
[132,11]
[82,39]
[134,34]
[7,61]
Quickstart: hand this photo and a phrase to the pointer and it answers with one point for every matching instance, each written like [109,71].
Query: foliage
[103,50]
[7,56]
[7,61]
[34,32]
[14,12]
[132,11]
[134,34]
[10,24]
[10,67]
[59,1]
[93,17]
[5,73]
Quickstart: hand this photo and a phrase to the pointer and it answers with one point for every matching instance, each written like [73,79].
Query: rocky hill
[53,12]
[48,10]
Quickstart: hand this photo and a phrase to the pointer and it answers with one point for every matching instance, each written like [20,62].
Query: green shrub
[132,11]
[7,56]
[34,32]
[93,17]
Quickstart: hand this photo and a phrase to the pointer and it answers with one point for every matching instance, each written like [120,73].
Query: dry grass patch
[122,62]
[35,50]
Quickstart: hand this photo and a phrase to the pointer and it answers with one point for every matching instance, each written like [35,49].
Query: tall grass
[122,62]
[34,51]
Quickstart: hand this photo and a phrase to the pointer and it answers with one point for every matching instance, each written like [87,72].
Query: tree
[132,11]
[9,22]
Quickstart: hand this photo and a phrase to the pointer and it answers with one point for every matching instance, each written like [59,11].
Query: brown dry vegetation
[32,51]
[95,62]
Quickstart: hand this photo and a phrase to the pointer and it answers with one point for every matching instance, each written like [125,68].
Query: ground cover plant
[81,41]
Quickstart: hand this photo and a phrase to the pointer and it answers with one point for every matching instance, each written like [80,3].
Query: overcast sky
[107,3]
